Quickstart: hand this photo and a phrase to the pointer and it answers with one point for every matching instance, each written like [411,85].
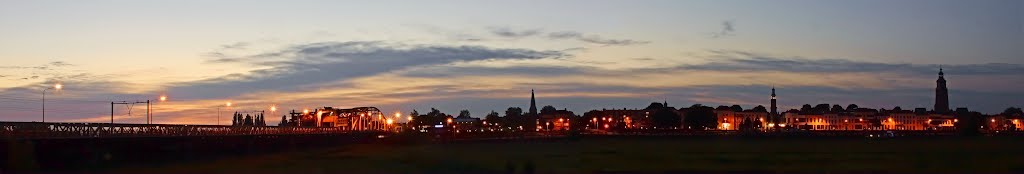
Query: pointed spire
[533,103]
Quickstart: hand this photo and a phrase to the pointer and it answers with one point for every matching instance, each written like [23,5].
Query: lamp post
[55,87]
[163,98]
[228,104]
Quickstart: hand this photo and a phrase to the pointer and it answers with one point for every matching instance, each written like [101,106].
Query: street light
[55,87]
[228,104]
[163,98]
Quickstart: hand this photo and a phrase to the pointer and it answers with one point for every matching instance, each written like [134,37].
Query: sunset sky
[488,55]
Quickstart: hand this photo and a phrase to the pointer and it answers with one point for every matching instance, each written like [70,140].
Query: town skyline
[578,55]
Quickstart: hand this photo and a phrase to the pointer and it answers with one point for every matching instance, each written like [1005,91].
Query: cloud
[236,45]
[595,39]
[510,33]
[60,64]
[314,64]
[562,35]
[727,30]
[742,61]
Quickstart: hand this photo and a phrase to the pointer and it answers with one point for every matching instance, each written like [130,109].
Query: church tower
[775,109]
[533,104]
[941,94]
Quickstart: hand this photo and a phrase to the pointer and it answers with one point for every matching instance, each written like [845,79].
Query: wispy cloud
[595,39]
[727,30]
[508,32]
[315,63]
[511,33]
[236,45]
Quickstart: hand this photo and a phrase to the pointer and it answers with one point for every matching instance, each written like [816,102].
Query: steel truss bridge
[38,130]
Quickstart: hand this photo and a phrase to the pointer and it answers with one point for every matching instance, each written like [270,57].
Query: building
[559,120]
[731,119]
[467,124]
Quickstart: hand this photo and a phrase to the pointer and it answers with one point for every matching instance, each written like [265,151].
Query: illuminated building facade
[559,120]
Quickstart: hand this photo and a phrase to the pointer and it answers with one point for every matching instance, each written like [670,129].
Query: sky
[488,55]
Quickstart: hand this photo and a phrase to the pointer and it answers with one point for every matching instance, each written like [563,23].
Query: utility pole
[129,109]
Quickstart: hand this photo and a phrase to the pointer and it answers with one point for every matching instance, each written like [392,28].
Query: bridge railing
[31,130]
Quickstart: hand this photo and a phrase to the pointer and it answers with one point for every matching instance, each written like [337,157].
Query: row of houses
[729,118]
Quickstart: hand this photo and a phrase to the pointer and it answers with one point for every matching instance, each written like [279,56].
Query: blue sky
[487,55]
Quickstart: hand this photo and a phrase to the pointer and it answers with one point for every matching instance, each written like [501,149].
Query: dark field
[632,155]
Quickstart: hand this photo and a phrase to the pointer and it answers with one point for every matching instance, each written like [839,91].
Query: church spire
[533,103]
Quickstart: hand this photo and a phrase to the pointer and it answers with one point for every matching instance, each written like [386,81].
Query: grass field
[632,155]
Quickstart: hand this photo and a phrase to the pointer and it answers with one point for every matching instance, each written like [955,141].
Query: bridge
[50,130]
[59,147]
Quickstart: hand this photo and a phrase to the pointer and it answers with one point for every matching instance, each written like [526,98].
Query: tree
[759,108]
[746,125]
[821,108]
[414,113]
[736,108]
[1013,111]
[665,119]
[263,122]
[464,114]
[436,116]
[806,108]
[757,124]
[837,108]
[548,109]
[514,117]
[493,117]
[248,120]
[700,118]
[654,105]
[852,107]
[968,123]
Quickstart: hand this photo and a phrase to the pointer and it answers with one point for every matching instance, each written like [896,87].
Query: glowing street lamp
[57,87]
[162,98]
[227,104]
